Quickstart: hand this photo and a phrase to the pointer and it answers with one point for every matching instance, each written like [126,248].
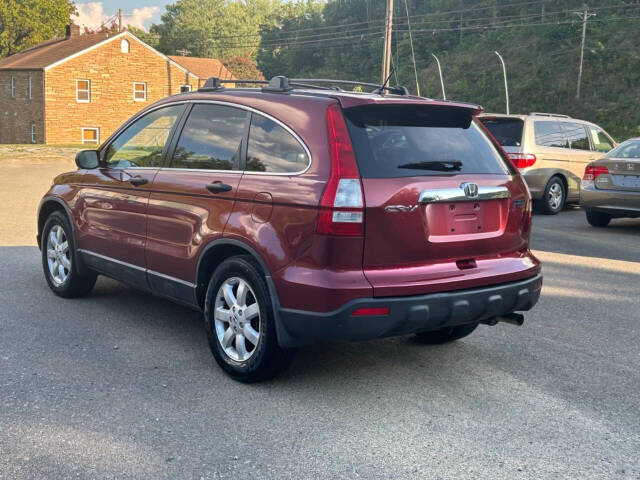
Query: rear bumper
[410,314]
[621,203]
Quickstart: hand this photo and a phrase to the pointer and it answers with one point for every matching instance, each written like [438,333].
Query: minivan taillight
[522,160]
[341,207]
[593,171]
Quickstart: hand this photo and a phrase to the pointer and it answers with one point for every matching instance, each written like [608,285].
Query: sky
[137,13]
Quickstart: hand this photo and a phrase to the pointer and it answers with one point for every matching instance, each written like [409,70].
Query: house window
[13,87]
[140,91]
[185,88]
[30,97]
[83,91]
[33,133]
[124,46]
[91,135]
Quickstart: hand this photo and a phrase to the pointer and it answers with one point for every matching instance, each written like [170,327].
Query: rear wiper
[440,166]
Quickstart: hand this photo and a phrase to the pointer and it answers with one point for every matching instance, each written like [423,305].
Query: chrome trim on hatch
[460,195]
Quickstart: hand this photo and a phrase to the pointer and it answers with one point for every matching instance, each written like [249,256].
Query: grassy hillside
[539,40]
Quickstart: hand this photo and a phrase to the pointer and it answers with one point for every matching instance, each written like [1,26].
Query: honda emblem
[470,189]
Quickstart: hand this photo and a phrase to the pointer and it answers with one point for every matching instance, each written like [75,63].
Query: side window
[141,144]
[577,136]
[550,134]
[83,91]
[601,142]
[211,138]
[273,149]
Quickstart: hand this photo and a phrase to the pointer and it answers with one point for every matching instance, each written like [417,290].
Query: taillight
[341,207]
[593,171]
[522,160]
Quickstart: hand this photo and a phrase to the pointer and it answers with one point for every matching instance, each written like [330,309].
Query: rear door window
[507,131]
[211,138]
[550,134]
[577,136]
[273,149]
[601,141]
[409,140]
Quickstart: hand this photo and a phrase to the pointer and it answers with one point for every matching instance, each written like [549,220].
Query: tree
[213,28]
[25,23]
[243,66]
[149,38]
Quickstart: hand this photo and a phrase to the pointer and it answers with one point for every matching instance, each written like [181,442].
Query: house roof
[52,51]
[204,67]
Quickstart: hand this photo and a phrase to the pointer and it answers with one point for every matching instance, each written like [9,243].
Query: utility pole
[444,95]
[119,19]
[504,73]
[585,16]
[386,56]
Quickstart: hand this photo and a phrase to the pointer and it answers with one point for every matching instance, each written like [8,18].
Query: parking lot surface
[122,385]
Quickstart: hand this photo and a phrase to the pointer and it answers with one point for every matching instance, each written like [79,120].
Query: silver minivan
[551,152]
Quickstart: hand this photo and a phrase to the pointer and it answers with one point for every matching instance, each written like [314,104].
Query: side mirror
[87,159]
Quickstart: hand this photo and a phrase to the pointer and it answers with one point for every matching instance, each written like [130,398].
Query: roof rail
[397,89]
[283,84]
[542,114]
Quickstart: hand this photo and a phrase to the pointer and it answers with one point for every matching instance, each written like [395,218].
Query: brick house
[80,88]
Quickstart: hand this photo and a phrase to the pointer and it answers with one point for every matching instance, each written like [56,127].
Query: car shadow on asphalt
[618,241]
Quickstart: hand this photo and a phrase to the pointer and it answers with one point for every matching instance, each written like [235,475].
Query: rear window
[507,131]
[409,140]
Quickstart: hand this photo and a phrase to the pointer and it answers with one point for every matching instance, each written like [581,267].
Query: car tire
[446,335]
[598,219]
[59,259]
[554,197]
[239,322]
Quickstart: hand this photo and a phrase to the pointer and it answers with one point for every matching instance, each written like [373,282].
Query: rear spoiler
[423,114]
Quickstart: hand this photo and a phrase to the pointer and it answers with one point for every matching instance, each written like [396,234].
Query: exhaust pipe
[516,319]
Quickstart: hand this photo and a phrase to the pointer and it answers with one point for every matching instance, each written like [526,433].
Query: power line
[352,34]
[429,32]
[289,43]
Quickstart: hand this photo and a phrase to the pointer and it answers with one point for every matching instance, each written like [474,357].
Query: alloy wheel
[58,255]
[237,319]
[555,196]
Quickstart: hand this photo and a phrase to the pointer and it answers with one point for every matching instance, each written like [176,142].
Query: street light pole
[504,73]
[444,95]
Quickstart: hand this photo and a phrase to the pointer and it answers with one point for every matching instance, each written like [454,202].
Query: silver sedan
[610,187]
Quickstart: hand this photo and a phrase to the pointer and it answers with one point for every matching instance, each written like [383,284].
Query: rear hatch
[444,209]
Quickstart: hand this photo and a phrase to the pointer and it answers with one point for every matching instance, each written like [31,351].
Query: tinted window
[402,141]
[141,144]
[550,134]
[577,136]
[601,141]
[273,149]
[507,131]
[211,138]
[629,149]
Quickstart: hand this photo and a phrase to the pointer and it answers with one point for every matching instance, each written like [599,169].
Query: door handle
[138,180]
[218,187]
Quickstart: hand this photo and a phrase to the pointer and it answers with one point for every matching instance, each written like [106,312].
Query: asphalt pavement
[121,384]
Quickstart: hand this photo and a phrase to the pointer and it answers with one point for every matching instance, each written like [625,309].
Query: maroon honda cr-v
[295,212]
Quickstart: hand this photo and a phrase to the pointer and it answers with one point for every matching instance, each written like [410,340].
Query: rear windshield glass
[507,131]
[409,140]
